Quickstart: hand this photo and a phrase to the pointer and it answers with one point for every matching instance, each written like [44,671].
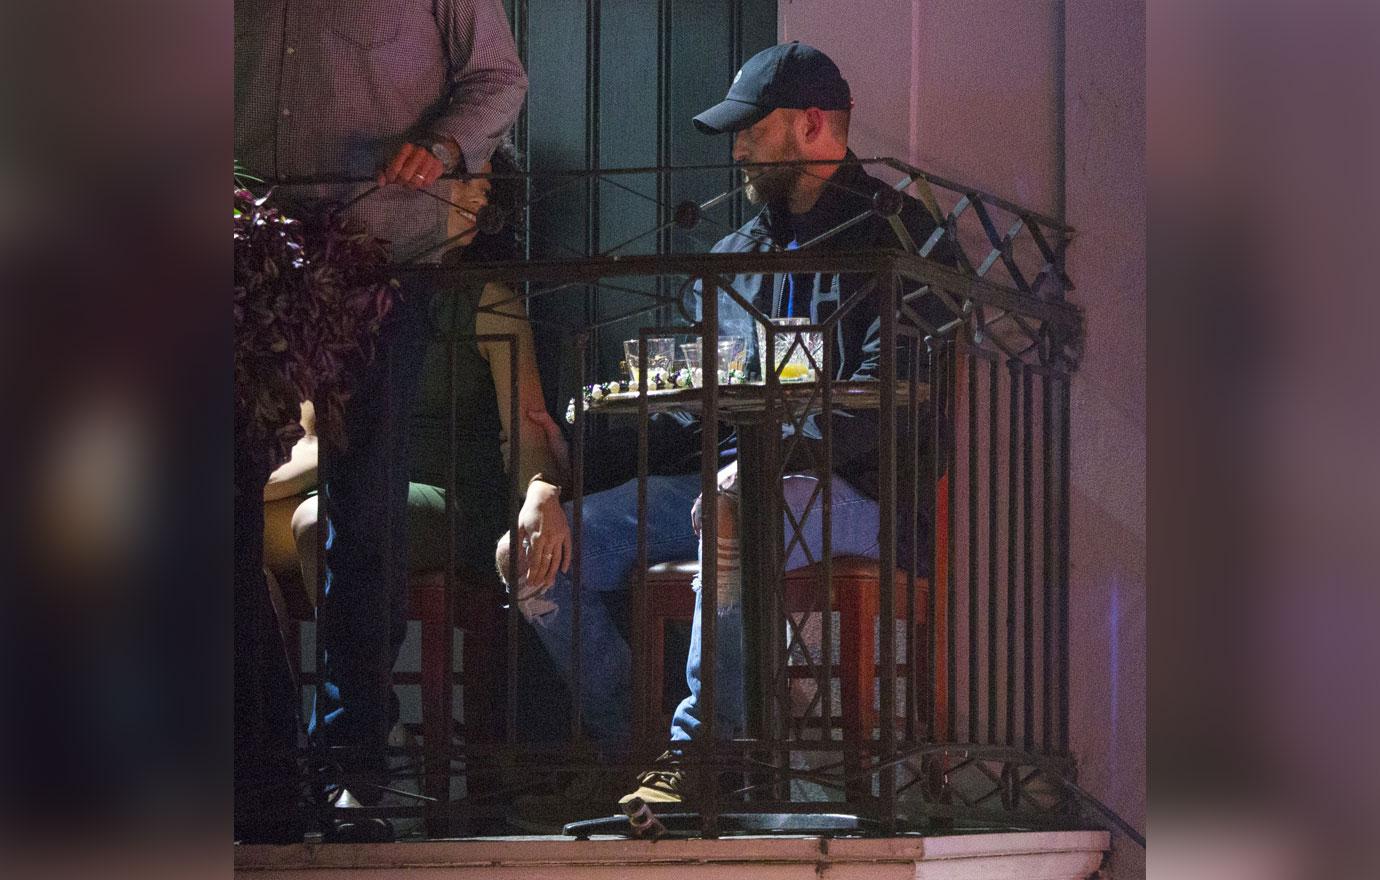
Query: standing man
[400,93]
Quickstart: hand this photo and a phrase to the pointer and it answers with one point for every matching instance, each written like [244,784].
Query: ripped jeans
[854,533]
[608,554]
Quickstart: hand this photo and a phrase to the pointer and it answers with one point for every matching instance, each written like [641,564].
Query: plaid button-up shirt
[332,88]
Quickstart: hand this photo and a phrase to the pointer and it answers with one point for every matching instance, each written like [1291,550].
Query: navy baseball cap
[791,75]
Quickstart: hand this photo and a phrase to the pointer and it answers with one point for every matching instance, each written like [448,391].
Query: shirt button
[290,50]
[287,112]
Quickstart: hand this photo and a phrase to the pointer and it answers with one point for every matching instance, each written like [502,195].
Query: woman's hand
[544,537]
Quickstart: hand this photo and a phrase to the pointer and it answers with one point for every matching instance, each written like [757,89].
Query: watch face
[443,152]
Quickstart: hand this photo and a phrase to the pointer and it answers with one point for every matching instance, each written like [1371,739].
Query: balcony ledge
[1038,855]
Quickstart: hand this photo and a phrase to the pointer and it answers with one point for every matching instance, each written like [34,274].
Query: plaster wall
[1043,102]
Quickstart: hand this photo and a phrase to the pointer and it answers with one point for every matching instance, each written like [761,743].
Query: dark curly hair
[506,198]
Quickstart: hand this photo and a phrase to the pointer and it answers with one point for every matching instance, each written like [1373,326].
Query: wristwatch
[441,148]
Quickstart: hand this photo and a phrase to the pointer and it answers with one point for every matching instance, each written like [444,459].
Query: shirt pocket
[367,26]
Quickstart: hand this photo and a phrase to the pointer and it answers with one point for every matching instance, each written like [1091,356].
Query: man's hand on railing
[413,166]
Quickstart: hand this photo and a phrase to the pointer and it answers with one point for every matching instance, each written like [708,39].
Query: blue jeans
[854,533]
[609,551]
[362,617]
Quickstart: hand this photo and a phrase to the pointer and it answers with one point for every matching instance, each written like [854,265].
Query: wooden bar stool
[856,597]
[479,614]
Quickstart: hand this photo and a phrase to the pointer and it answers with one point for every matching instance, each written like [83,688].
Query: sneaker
[665,783]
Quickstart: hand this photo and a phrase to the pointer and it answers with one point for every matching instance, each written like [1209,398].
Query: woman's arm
[540,449]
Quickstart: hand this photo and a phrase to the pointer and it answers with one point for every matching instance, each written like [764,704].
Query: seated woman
[480,388]
[483,385]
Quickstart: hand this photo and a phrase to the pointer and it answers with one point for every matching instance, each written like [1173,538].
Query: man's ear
[812,123]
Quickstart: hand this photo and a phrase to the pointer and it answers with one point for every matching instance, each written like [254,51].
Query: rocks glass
[792,361]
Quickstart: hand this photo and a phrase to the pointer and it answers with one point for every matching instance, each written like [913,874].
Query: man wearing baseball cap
[790,103]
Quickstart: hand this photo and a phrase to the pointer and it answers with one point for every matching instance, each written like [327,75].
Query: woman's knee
[304,523]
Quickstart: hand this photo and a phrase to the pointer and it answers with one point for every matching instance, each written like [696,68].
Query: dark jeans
[362,617]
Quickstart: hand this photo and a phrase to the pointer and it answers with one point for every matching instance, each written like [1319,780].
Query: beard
[770,186]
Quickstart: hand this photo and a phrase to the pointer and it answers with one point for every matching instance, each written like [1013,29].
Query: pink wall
[1105,202]
[961,88]
[1044,103]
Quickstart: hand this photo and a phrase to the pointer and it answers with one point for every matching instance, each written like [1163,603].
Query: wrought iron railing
[971,708]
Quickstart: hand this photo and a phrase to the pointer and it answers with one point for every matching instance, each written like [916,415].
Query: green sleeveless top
[481,483]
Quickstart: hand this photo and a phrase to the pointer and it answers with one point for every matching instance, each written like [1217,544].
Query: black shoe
[349,829]
[361,831]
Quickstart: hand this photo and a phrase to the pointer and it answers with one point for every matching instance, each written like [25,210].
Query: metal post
[826,563]
[1047,562]
[889,295]
[641,598]
[912,487]
[577,530]
[1012,499]
[1064,441]
[974,704]
[709,563]
[951,457]
[993,444]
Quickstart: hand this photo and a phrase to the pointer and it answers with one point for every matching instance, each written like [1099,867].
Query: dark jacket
[857,340]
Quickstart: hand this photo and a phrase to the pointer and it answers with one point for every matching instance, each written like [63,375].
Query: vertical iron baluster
[913,488]
[577,529]
[826,421]
[770,573]
[1064,405]
[891,285]
[641,601]
[709,556]
[951,466]
[1012,499]
[515,499]
[993,441]
[1027,559]
[974,705]
[932,348]
[438,814]
[380,599]
[1047,563]
[324,517]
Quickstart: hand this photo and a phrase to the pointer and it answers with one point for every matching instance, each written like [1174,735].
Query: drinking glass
[661,351]
[732,356]
[691,352]
[792,362]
